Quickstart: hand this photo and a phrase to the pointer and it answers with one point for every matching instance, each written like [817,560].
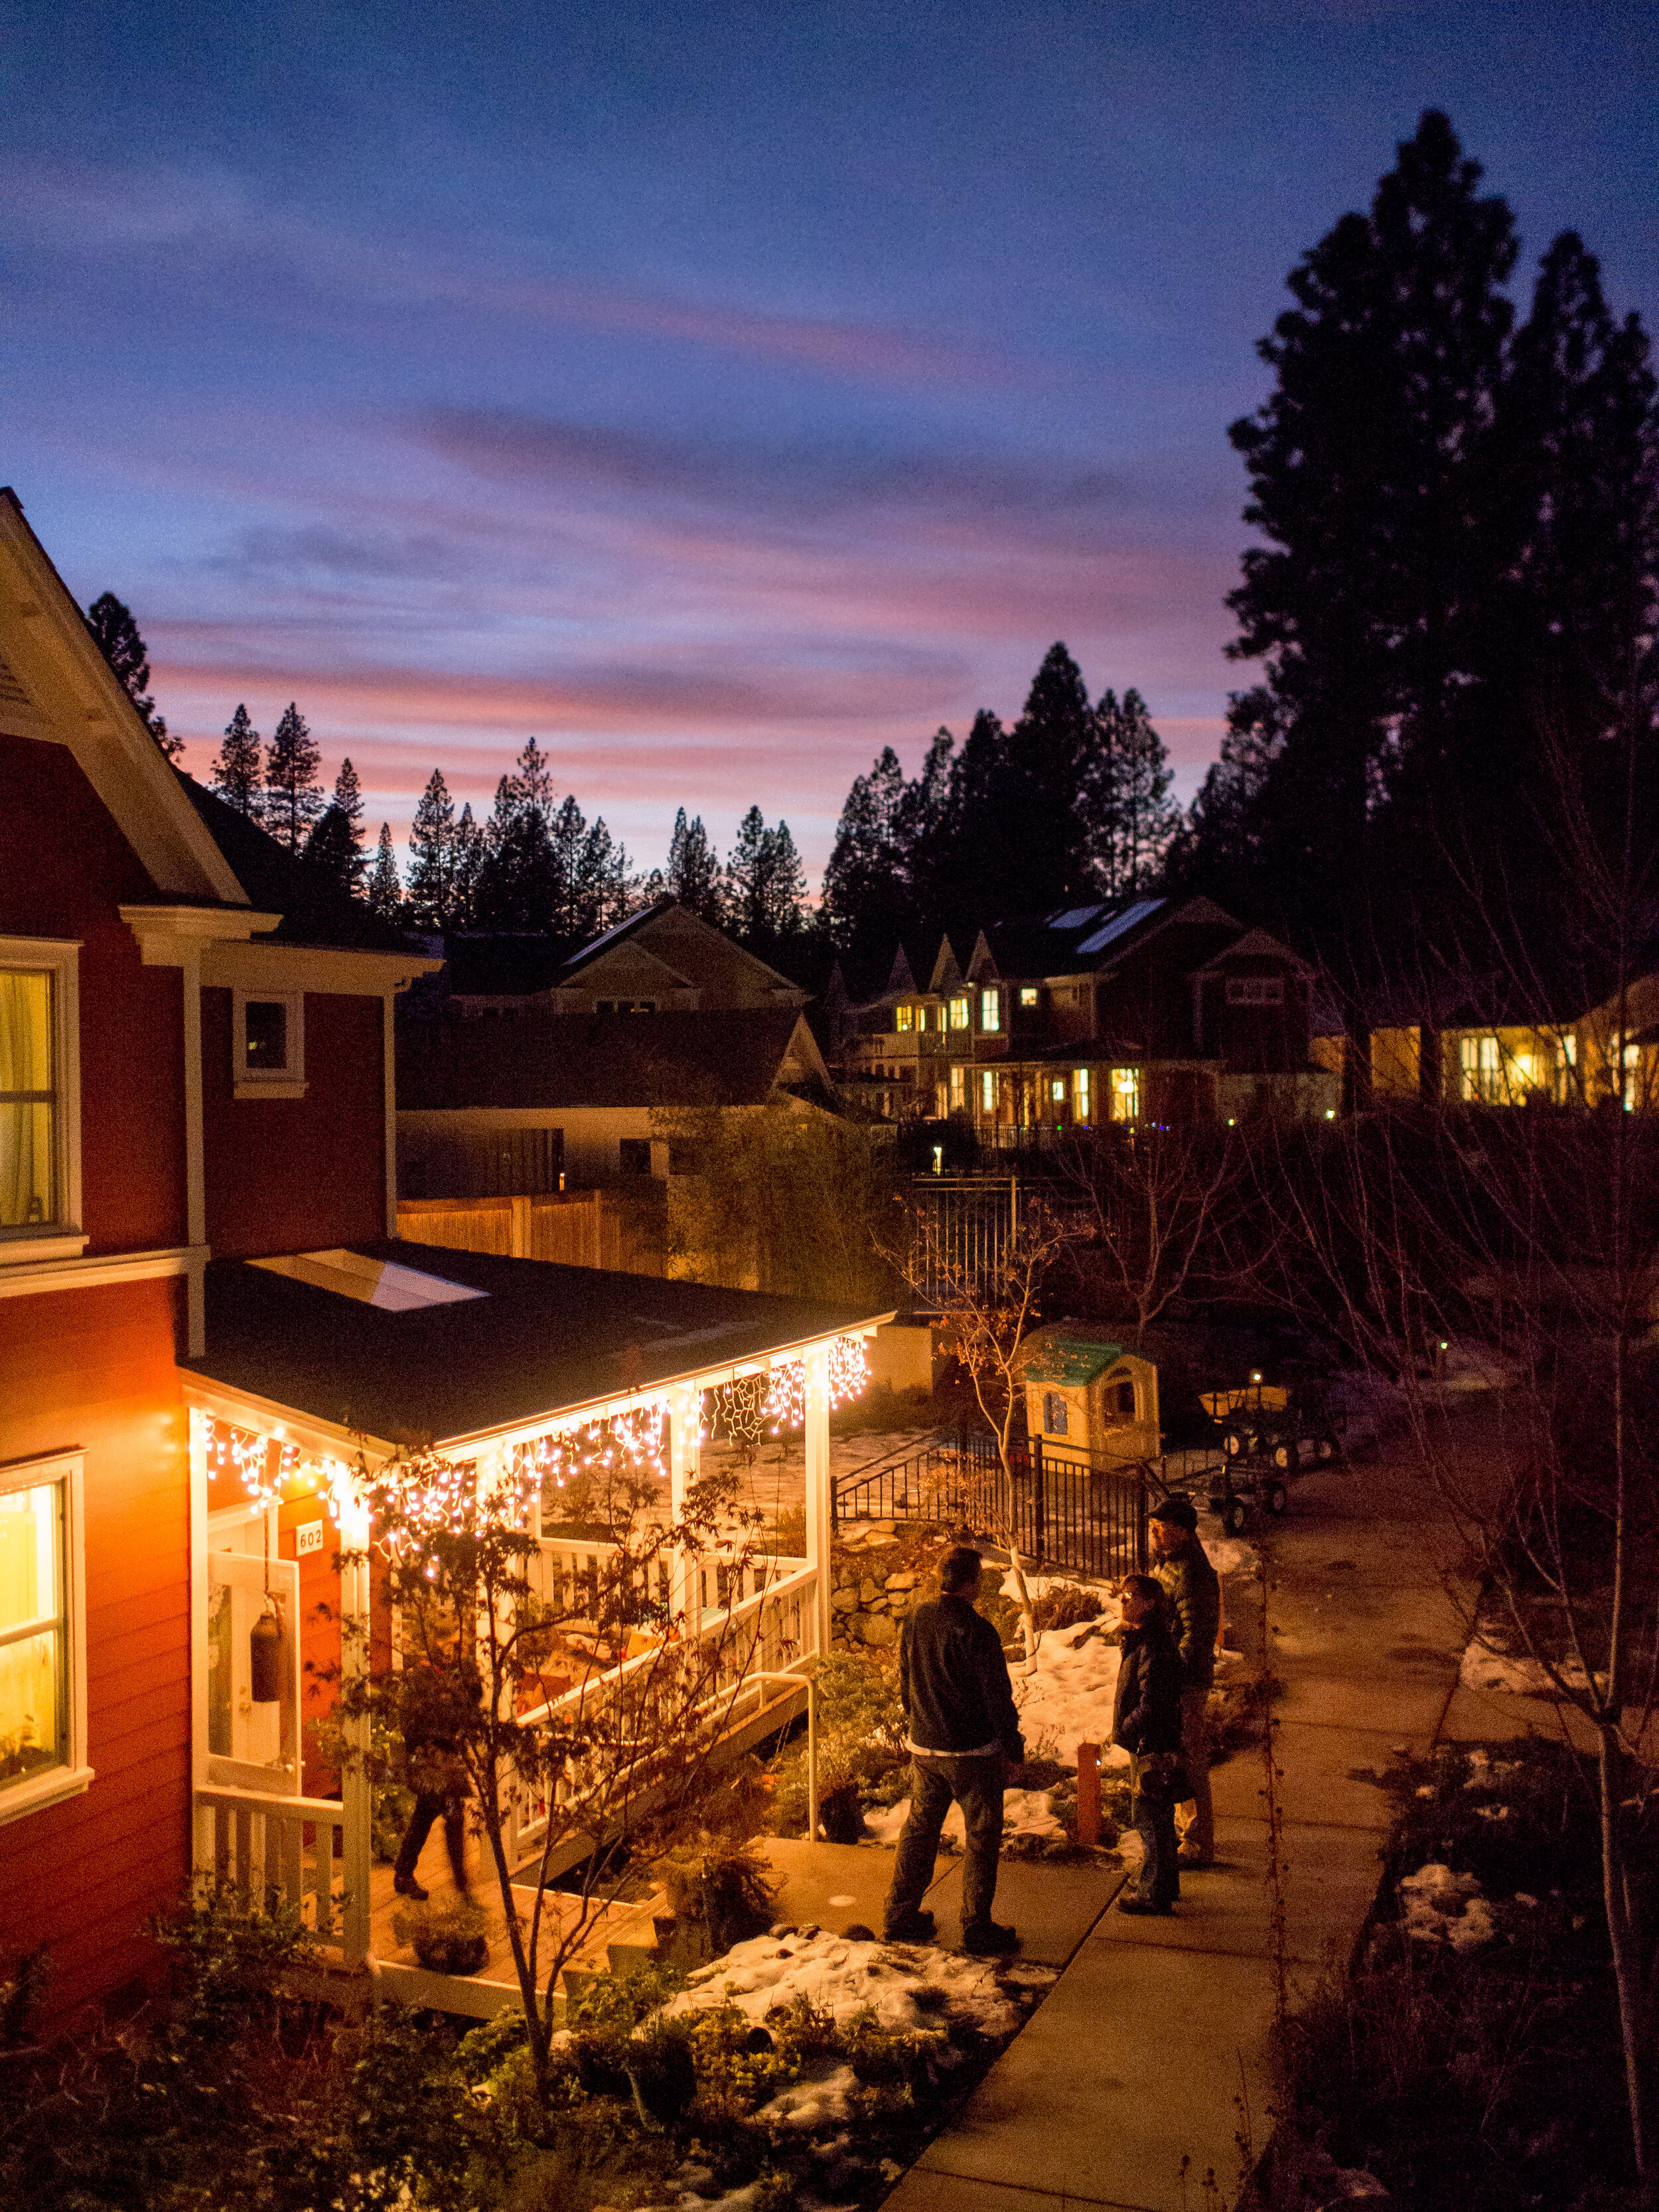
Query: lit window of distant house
[1028,995]
[40,1100]
[1256,990]
[1057,1088]
[624,1006]
[267,1044]
[990,1010]
[958,1088]
[958,1013]
[1125,1094]
[1081,1093]
[988,1090]
[904,1017]
[1053,1413]
[1479,1065]
[42,1702]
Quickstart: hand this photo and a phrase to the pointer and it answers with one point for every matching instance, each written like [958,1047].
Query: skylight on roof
[372,1282]
[1074,917]
[1129,920]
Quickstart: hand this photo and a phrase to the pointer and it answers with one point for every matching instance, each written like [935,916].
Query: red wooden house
[202,1316]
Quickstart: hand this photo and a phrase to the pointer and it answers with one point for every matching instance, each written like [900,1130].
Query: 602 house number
[307,1537]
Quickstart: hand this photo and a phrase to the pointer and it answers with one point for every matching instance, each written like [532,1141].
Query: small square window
[1029,994]
[267,1044]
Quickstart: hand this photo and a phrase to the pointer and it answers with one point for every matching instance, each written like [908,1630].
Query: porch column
[354,1587]
[684,1408]
[817,1486]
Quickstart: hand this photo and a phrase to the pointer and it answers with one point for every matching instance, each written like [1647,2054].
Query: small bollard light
[1088,1792]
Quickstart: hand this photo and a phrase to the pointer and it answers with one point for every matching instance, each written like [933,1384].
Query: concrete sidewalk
[1148,2068]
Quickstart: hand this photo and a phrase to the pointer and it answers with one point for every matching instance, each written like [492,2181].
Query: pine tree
[865,892]
[386,892]
[768,889]
[331,851]
[348,803]
[1130,792]
[469,863]
[694,876]
[237,774]
[430,890]
[294,800]
[118,640]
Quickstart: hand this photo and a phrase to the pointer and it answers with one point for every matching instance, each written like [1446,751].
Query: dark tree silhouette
[386,892]
[294,800]
[113,625]
[237,774]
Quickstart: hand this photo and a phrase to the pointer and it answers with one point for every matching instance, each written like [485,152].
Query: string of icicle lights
[265,1475]
[784,1406]
[630,1444]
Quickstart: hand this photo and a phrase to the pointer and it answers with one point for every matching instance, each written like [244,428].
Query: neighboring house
[203,1317]
[663,960]
[547,1100]
[1155,1009]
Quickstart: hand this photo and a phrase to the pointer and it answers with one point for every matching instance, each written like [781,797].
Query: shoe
[915,1927]
[1188,1857]
[986,1940]
[406,1886]
[1141,1905]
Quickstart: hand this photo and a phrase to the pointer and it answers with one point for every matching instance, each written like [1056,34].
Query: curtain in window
[26,1126]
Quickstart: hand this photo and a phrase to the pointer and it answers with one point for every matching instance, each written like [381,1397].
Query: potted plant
[448,1938]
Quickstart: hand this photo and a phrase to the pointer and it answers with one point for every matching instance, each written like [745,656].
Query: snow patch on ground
[1484,1668]
[1025,1812]
[844,1977]
[1443,1907]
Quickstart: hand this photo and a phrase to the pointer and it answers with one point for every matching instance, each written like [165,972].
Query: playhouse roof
[1074,1359]
[542,1339]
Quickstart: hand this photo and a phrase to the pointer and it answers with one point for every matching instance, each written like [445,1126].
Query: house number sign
[307,1537]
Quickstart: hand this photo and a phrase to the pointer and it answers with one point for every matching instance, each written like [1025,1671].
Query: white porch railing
[259,1844]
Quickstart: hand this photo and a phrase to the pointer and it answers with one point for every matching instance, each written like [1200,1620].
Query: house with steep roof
[663,960]
[1150,1008]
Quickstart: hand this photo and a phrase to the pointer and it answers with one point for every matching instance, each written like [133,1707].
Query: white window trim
[62,1239]
[74,1776]
[251,1083]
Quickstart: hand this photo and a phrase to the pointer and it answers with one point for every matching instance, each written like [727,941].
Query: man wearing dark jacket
[961,1726]
[1194,1590]
[1146,1722]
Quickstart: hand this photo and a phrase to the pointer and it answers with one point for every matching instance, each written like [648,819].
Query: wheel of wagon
[1232,1516]
[1326,1449]
[1232,1443]
[1284,1456]
[1278,1498]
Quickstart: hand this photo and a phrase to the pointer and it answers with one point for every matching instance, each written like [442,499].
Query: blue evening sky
[718,392]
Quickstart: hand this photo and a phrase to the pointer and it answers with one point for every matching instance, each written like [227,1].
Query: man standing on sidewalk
[1194,1590]
[961,1727]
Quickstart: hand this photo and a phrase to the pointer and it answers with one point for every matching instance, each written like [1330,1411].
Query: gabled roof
[901,979]
[1086,938]
[55,685]
[1255,945]
[313,910]
[667,920]
[543,1338]
[739,1056]
[947,973]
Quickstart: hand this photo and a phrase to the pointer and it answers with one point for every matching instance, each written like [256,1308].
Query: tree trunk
[1627,1962]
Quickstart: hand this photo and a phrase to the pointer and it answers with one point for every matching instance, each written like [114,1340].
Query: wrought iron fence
[1059,1509]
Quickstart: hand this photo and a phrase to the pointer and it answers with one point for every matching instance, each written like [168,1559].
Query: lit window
[1081,1093]
[903,1017]
[1479,1066]
[39,1143]
[990,1010]
[42,1716]
[988,1090]
[1028,995]
[958,1088]
[958,1013]
[1053,1413]
[1125,1094]
[1057,1088]
[267,1044]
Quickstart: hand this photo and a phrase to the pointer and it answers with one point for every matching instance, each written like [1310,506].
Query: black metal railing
[1059,1509]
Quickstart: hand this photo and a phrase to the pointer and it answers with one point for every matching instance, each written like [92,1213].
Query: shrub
[724,1886]
[1066,1605]
[861,1731]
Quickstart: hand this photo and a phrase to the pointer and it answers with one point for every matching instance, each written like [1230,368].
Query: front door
[253,1743]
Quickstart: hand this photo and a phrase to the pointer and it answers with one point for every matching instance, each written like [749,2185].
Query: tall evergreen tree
[331,851]
[1132,817]
[237,774]
[294,798]
[349,805]
[430,890]
[386,892]
[767,888]
[469,866]
[117,633]
[865,892]
[694,876]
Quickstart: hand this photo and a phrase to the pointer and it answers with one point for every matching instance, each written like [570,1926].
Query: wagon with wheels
[1269,1432]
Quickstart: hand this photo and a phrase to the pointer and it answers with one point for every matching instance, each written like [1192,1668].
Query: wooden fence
[578,1228]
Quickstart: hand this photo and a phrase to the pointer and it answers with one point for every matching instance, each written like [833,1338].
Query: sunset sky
[718,392]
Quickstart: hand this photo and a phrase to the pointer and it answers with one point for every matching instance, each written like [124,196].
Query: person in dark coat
[1146,1722]
[1194,1592]
[428,1709]
[962,1732]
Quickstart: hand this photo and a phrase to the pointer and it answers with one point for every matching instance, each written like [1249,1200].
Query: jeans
[1153,1821]
[976,1785]
[447,1808]
[1198,1832]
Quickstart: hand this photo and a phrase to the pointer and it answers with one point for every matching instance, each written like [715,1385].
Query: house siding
[64,868]
[293,1175]
[93,1370]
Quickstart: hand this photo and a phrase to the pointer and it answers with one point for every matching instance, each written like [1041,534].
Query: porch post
[354,1782]
[683,1423]
[818,1539]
